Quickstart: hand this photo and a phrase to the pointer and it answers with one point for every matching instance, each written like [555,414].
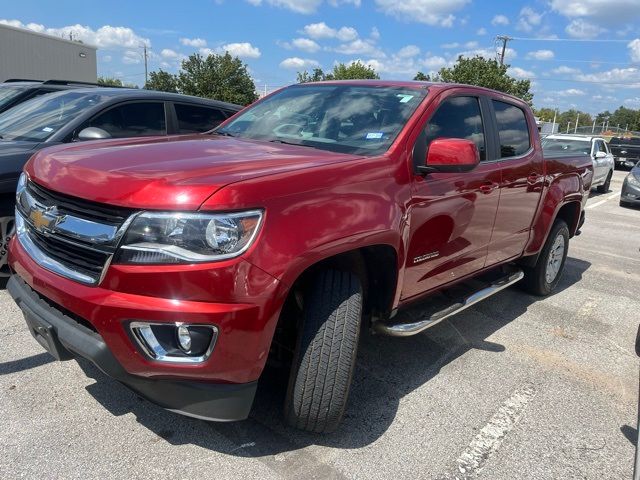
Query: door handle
[488,187]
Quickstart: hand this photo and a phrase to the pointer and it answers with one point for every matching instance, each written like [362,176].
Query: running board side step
[409,327]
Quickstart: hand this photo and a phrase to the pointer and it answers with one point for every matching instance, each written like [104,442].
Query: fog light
[184,338]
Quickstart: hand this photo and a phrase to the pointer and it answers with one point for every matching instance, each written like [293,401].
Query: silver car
[596,147]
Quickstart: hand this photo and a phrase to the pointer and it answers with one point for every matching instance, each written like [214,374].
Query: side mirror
[93,133]
[600,155]
[451,155]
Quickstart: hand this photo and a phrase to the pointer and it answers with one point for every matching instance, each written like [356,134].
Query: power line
[554,39]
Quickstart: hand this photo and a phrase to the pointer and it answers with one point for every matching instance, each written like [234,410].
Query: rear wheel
[543,278]
[325,353]
[604,188]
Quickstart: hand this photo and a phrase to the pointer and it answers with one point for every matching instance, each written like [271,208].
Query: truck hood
[165,173]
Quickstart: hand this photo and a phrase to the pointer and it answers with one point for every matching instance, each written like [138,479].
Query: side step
[418,318]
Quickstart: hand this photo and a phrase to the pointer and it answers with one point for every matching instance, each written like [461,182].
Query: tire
[325,353]
[624,204]
[604,188]
[7,227]
[543,278]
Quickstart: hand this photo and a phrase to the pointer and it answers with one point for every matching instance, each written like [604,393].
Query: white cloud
[528,20]
[104,37]
[481,31]
[572,92]
[564,70]
[614,78]
[305,44]
[359,47]
[131,57]
[194,42]
[298,63]
[608,11]
[303,6]
[434,62]
[500,20]
[634,50]
[521,73]
[541,55]
[242,50]
[168,53]
[408,51]
[430,12]
[582,29]
[107,58]
[322,30]
[375,34]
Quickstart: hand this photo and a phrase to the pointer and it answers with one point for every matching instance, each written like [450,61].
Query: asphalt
[515,387]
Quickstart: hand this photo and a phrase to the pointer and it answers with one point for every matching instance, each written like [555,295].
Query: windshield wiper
[226,134]
[276,140]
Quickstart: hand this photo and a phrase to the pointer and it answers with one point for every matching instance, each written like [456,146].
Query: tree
[317,75]
[569,117]
[110,82]
[421,77]
[162,81]
[354,71]
[485,73]
[221,77]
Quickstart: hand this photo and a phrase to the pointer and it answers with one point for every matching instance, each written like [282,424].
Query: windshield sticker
[47,129]
[374,135]
[404,98]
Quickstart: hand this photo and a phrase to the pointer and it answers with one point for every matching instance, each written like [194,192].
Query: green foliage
[162,81]
[221,77]
[421,77]
[485,73]
[354,71]
[110,82]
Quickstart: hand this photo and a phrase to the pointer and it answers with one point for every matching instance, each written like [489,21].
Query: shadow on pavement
[630,434]
[387,370]
[27,363]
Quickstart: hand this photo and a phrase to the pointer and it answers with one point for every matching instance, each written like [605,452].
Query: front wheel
[325,353]
[543,278]
[7,227]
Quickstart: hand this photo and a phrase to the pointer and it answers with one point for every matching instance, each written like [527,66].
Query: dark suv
[91,114]
[18,90]
[626,151]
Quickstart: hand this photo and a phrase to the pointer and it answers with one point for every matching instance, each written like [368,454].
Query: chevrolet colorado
[180,265]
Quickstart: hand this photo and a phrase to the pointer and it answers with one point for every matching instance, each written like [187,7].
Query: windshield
[37,119]
[361,120]
[560,145]
[7,94]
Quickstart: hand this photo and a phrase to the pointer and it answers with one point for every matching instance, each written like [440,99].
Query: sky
[582,54]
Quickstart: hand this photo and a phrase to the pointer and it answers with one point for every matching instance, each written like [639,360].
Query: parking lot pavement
[515,387]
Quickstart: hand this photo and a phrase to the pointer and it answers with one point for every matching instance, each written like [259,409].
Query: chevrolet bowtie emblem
[45,220]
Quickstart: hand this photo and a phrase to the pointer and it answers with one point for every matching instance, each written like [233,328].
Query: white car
[596,147]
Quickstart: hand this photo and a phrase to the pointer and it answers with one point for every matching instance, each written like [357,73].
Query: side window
[132,120]
[513,130]
[601,147]
[195,119]
[458,117]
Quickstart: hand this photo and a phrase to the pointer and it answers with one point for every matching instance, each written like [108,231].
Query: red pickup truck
[180,265]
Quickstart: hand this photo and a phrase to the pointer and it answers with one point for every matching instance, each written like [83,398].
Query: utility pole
[504,39]
[575,130]
[146,59]
[553,129]
[593,128]
[568,126]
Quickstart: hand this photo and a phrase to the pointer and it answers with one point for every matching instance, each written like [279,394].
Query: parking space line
[613,195]
[489,439]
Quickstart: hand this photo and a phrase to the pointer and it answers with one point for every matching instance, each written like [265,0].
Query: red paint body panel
[317,204]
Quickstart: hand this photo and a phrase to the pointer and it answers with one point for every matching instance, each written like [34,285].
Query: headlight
[22,184]
[188,237]
[632,180]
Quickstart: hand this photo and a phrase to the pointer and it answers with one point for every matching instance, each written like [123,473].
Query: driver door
[452,214]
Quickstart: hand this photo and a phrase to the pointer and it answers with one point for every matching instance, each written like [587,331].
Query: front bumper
[630,194]
[65,338]
[625,161]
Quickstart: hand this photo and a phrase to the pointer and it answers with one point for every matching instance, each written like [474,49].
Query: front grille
[68,253]
[77,207]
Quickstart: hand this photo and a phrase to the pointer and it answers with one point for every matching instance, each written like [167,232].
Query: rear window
[624,141]
[196,119]
[512,130]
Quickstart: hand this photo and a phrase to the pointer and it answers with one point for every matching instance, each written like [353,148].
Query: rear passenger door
[131,119]
[522,181]
[192,118]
